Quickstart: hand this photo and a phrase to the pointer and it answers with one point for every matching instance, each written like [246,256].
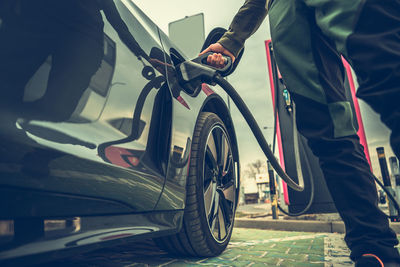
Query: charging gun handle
[202,59]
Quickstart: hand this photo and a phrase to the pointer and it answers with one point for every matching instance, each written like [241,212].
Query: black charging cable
[197,71]
[257,133]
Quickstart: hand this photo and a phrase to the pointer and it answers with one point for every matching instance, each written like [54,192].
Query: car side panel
[88,143]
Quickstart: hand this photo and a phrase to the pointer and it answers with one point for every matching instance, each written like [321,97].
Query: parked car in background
[99,142]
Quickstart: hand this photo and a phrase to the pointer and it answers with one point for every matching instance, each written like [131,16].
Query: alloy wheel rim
[219,184]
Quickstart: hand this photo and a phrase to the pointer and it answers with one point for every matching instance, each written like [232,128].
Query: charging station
[286,133]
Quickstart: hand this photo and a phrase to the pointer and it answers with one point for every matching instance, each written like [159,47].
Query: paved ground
[248,247]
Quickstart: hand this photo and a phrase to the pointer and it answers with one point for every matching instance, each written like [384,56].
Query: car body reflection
[95,129]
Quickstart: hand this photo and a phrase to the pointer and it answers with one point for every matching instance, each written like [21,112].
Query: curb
[298,225]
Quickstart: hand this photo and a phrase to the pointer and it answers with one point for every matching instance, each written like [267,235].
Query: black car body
[97,134]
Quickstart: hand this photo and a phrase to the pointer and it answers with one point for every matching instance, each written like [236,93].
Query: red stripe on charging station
[361,130]
[278,129]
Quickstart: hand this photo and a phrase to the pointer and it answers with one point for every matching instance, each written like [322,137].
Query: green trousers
[309,37]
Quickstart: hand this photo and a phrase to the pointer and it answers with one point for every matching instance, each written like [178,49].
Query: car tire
[212,193]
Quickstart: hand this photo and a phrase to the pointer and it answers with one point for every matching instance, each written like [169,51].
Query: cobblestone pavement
[248,247]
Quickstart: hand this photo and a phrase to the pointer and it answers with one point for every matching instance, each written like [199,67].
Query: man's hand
[216,59]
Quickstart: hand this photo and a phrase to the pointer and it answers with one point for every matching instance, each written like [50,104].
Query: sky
[251,76]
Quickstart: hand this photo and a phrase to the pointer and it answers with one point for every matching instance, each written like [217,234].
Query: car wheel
[212,190]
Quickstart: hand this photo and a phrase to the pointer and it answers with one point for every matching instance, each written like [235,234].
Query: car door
[99,140]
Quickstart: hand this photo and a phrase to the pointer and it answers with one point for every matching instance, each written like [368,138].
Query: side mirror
[212,38]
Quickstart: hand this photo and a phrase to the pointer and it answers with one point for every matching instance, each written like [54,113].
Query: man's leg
[313,73]
[370,40]
[374,51]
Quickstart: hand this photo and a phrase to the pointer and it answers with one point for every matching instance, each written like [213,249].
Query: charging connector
[197,70]
[192,72]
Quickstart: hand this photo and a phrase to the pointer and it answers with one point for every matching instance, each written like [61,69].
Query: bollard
[394,168]
[272,190]
[386,181]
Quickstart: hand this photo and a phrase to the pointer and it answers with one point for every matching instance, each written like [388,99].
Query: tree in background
[259,165]
[254,168]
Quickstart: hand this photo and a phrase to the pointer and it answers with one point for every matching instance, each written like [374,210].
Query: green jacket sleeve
[244,24]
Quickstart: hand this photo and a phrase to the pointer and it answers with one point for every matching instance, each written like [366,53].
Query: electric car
[100,143]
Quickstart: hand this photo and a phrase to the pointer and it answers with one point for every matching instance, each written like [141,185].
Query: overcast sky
[250,78]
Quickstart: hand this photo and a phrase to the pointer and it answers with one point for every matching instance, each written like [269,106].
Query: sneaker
[371,260]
